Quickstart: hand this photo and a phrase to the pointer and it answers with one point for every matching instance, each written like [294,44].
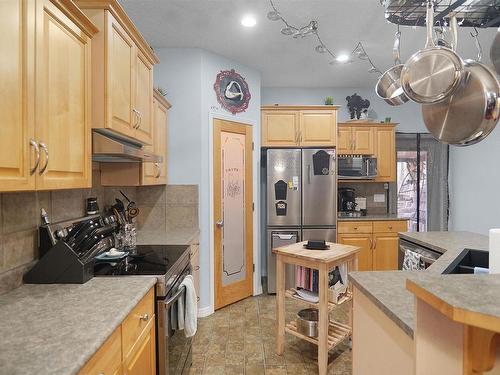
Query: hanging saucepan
[431,74]
[389,84]
[495,52]
[471,112]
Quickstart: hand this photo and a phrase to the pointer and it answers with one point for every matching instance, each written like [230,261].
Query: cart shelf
[337,333]
[291,293]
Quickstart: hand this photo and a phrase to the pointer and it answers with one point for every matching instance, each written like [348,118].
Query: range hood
[108,146]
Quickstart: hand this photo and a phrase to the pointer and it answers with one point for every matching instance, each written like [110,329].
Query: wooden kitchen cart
[330,333]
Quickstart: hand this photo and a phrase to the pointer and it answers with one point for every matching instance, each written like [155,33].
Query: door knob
[220,223]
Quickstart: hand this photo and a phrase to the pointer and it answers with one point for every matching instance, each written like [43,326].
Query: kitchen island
[56,328]
[384,307]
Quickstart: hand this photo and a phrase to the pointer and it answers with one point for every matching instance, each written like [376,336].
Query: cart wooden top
[336,253]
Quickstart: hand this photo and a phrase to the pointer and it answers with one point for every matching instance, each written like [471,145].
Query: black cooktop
[149,260]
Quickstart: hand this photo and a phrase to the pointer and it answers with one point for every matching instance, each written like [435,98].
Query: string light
[312,29]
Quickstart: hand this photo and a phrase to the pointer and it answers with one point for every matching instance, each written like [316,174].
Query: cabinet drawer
[135,323]
[108,359]
[390,226]
[355,227]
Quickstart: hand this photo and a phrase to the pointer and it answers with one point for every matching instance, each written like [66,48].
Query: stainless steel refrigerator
[301,201]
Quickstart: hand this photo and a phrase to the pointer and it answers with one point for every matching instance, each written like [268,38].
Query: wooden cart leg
[280,305]
[323,321]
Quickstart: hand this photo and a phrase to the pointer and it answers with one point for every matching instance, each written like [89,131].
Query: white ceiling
[283,61]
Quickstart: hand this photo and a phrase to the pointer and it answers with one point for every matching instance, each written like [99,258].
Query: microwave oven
[357,167]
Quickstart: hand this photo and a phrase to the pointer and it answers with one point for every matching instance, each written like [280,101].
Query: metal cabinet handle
[136,116]
[374,243]
[144,318]
[46,150]
[37,152]
[371,244]
[197,268]
[140,120]
[355,228]
[159,170]
[220,223]
[390,227]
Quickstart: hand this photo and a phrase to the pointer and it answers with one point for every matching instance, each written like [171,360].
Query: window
[425,187]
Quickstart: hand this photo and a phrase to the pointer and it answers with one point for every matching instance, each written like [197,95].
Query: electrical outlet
[379,198]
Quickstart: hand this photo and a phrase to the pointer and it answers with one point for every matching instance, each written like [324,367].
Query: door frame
[257,286]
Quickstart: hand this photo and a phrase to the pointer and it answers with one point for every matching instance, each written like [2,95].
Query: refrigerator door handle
[309,174]
[284,236]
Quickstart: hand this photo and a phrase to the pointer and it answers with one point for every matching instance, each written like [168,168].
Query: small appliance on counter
[357,167]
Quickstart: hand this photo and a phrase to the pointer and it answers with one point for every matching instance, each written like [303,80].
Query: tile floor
[241,338]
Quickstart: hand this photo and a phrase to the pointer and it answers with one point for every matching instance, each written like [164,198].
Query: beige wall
[20,218]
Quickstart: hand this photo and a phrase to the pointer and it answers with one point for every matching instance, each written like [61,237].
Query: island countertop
[387,289]
[56,328]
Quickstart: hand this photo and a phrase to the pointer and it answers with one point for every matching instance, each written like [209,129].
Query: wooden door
[143,102]
[364,241]
[385,151]
[363,140]
[62,100]
[17,144]
[142,359]
[121,58]
[344,141]
[280,128]
[233,197]
[318,128]
[385,251]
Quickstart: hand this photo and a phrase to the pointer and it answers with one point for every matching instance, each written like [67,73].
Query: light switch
[379,198]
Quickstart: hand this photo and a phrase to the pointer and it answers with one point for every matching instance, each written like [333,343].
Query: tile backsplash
[20,217]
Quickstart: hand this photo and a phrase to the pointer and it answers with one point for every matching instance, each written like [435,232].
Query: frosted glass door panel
[233,207]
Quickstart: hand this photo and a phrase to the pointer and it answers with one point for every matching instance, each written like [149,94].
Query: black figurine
[356,104]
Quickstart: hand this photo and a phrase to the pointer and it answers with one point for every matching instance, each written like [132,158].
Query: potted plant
[329,100]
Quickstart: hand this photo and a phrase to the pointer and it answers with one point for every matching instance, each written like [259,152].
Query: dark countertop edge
[385,309]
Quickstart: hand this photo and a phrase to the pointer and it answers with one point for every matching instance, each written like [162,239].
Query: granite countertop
[387,289]
[181,236]
[55,328]
[373,218]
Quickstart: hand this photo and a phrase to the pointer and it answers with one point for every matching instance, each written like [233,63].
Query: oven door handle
[175,297]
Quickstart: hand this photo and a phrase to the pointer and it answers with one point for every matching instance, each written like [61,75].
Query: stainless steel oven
[357,167]
[174,348]
[427,256]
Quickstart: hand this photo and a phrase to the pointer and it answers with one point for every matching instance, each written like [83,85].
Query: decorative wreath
[232,91]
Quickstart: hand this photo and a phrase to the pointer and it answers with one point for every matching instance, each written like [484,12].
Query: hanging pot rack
[470,13]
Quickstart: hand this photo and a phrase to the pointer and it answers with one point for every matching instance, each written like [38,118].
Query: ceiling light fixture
[342,58]
[248,21]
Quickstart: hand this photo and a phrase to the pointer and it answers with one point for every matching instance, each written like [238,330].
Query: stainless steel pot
[495,52]
[307,322]
[434,73]
[471,113]
[389,84]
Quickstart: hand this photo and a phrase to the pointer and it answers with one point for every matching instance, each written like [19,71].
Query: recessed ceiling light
[342,58]
[248,21]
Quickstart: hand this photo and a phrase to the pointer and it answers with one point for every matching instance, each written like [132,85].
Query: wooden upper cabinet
[62,100]
[296,126]
[144,99]
[280,128]
[122,67]
[120,73]
[344,140]
[17,130]
[385,151]
[318,128]
[363,140]
[45,140]
[156,173]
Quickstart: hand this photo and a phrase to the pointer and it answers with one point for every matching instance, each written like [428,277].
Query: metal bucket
[307,322]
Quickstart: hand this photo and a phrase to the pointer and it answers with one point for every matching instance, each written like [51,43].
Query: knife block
[60,265]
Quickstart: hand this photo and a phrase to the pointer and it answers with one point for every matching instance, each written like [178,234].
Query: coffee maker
[347,202]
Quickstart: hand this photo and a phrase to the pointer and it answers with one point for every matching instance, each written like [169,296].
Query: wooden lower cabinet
[131,348]
[195,265]
[378,241]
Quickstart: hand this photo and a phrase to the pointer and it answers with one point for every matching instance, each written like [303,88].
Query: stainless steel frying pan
[389,84]
[472,112]
[434,73]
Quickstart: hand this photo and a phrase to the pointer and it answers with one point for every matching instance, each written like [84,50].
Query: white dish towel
[187,316]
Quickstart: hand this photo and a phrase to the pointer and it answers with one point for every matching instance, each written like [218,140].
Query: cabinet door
[280,128]
[108,359]
[363,139]
[318,128]
[141,360]
[16,106]
[385,251]
[344,141]
[365,262]
[62,100]
[385,151]
[121,60]
[156,173]
[143,103]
